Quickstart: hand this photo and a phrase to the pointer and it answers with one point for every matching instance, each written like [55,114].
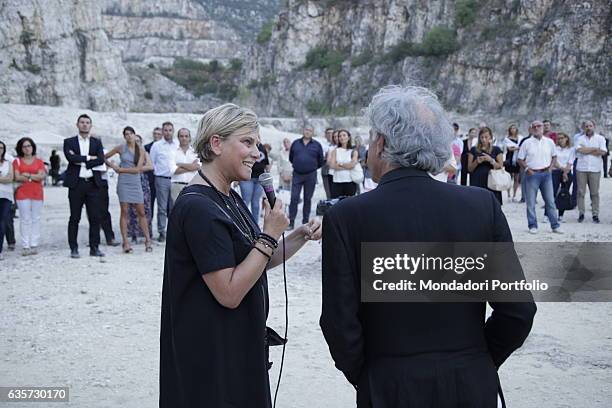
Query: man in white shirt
[537,156]
[185,163]
[162,153]
[590,147]
[457,147]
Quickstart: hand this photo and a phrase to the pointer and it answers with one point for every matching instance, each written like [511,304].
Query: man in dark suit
[414,354]
[157,135]
[85,185]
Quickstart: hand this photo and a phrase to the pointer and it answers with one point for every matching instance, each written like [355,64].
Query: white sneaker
[557,231]
[533,230]
[560,219]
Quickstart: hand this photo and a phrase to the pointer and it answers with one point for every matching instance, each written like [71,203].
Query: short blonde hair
[222,121]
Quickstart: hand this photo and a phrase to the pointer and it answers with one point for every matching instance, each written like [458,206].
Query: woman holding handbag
[343,160]
[562,171]
[483,158]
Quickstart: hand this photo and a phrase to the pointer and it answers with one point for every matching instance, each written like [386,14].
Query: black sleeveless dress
[480,176]
[210,356]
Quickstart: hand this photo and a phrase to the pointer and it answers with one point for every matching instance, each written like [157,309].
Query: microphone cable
[280,371]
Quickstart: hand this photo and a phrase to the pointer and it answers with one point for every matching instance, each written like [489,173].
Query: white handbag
[499,180]
[357,174]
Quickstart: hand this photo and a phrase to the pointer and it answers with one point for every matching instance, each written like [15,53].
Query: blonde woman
[214,341]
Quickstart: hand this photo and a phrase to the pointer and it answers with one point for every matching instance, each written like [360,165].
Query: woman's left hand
[313,230]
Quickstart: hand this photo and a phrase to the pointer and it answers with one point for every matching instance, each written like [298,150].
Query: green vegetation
[438,42]
[325,58]
[362,59]
[236,64]
[400,51]
[264,82]
[266,33]
[538,73]
[465,12]
[200,78]
[317,107]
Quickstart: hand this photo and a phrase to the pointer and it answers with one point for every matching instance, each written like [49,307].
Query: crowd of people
[559,166]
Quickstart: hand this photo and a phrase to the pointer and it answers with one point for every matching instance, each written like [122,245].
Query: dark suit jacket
[71,177]
[415,354]
[151,173]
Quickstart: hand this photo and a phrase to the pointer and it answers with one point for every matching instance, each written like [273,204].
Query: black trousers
[9,228]
[151,178]
[85,192]
[106,222]
[343,189]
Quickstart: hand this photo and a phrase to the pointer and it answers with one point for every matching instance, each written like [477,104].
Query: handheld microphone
[268,185]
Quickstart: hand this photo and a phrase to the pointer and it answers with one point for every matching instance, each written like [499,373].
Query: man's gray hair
[416,129]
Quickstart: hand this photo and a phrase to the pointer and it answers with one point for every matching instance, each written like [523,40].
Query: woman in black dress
[482,158]
[214,341]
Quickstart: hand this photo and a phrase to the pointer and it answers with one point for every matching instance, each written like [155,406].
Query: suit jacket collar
[402,172]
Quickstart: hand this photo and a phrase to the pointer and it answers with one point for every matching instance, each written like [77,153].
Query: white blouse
[343,156]
[565,155]
[6,189]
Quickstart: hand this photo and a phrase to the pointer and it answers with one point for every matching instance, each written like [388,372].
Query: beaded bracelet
[265,243]
[269,239]
[263,253]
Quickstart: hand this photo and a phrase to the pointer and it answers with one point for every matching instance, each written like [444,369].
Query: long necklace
[240,220]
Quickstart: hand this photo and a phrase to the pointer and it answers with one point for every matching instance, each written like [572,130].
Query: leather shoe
[596,219]
[112,243]
[581,218]
[95,252]
[162,238]
[74,253]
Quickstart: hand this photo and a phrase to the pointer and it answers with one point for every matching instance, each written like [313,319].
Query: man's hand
[313,230]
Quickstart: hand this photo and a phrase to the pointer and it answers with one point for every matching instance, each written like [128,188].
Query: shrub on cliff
[465,12]
[325,58]
[266,33]
[439,41]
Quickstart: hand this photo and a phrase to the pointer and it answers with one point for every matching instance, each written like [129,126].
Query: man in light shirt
[162,155]
[537,156]
[457,147]
[590,147]
[185,163]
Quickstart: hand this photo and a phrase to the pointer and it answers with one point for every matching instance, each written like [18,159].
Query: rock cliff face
[515,58]
[161,31]
[110,54]
[55,52]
